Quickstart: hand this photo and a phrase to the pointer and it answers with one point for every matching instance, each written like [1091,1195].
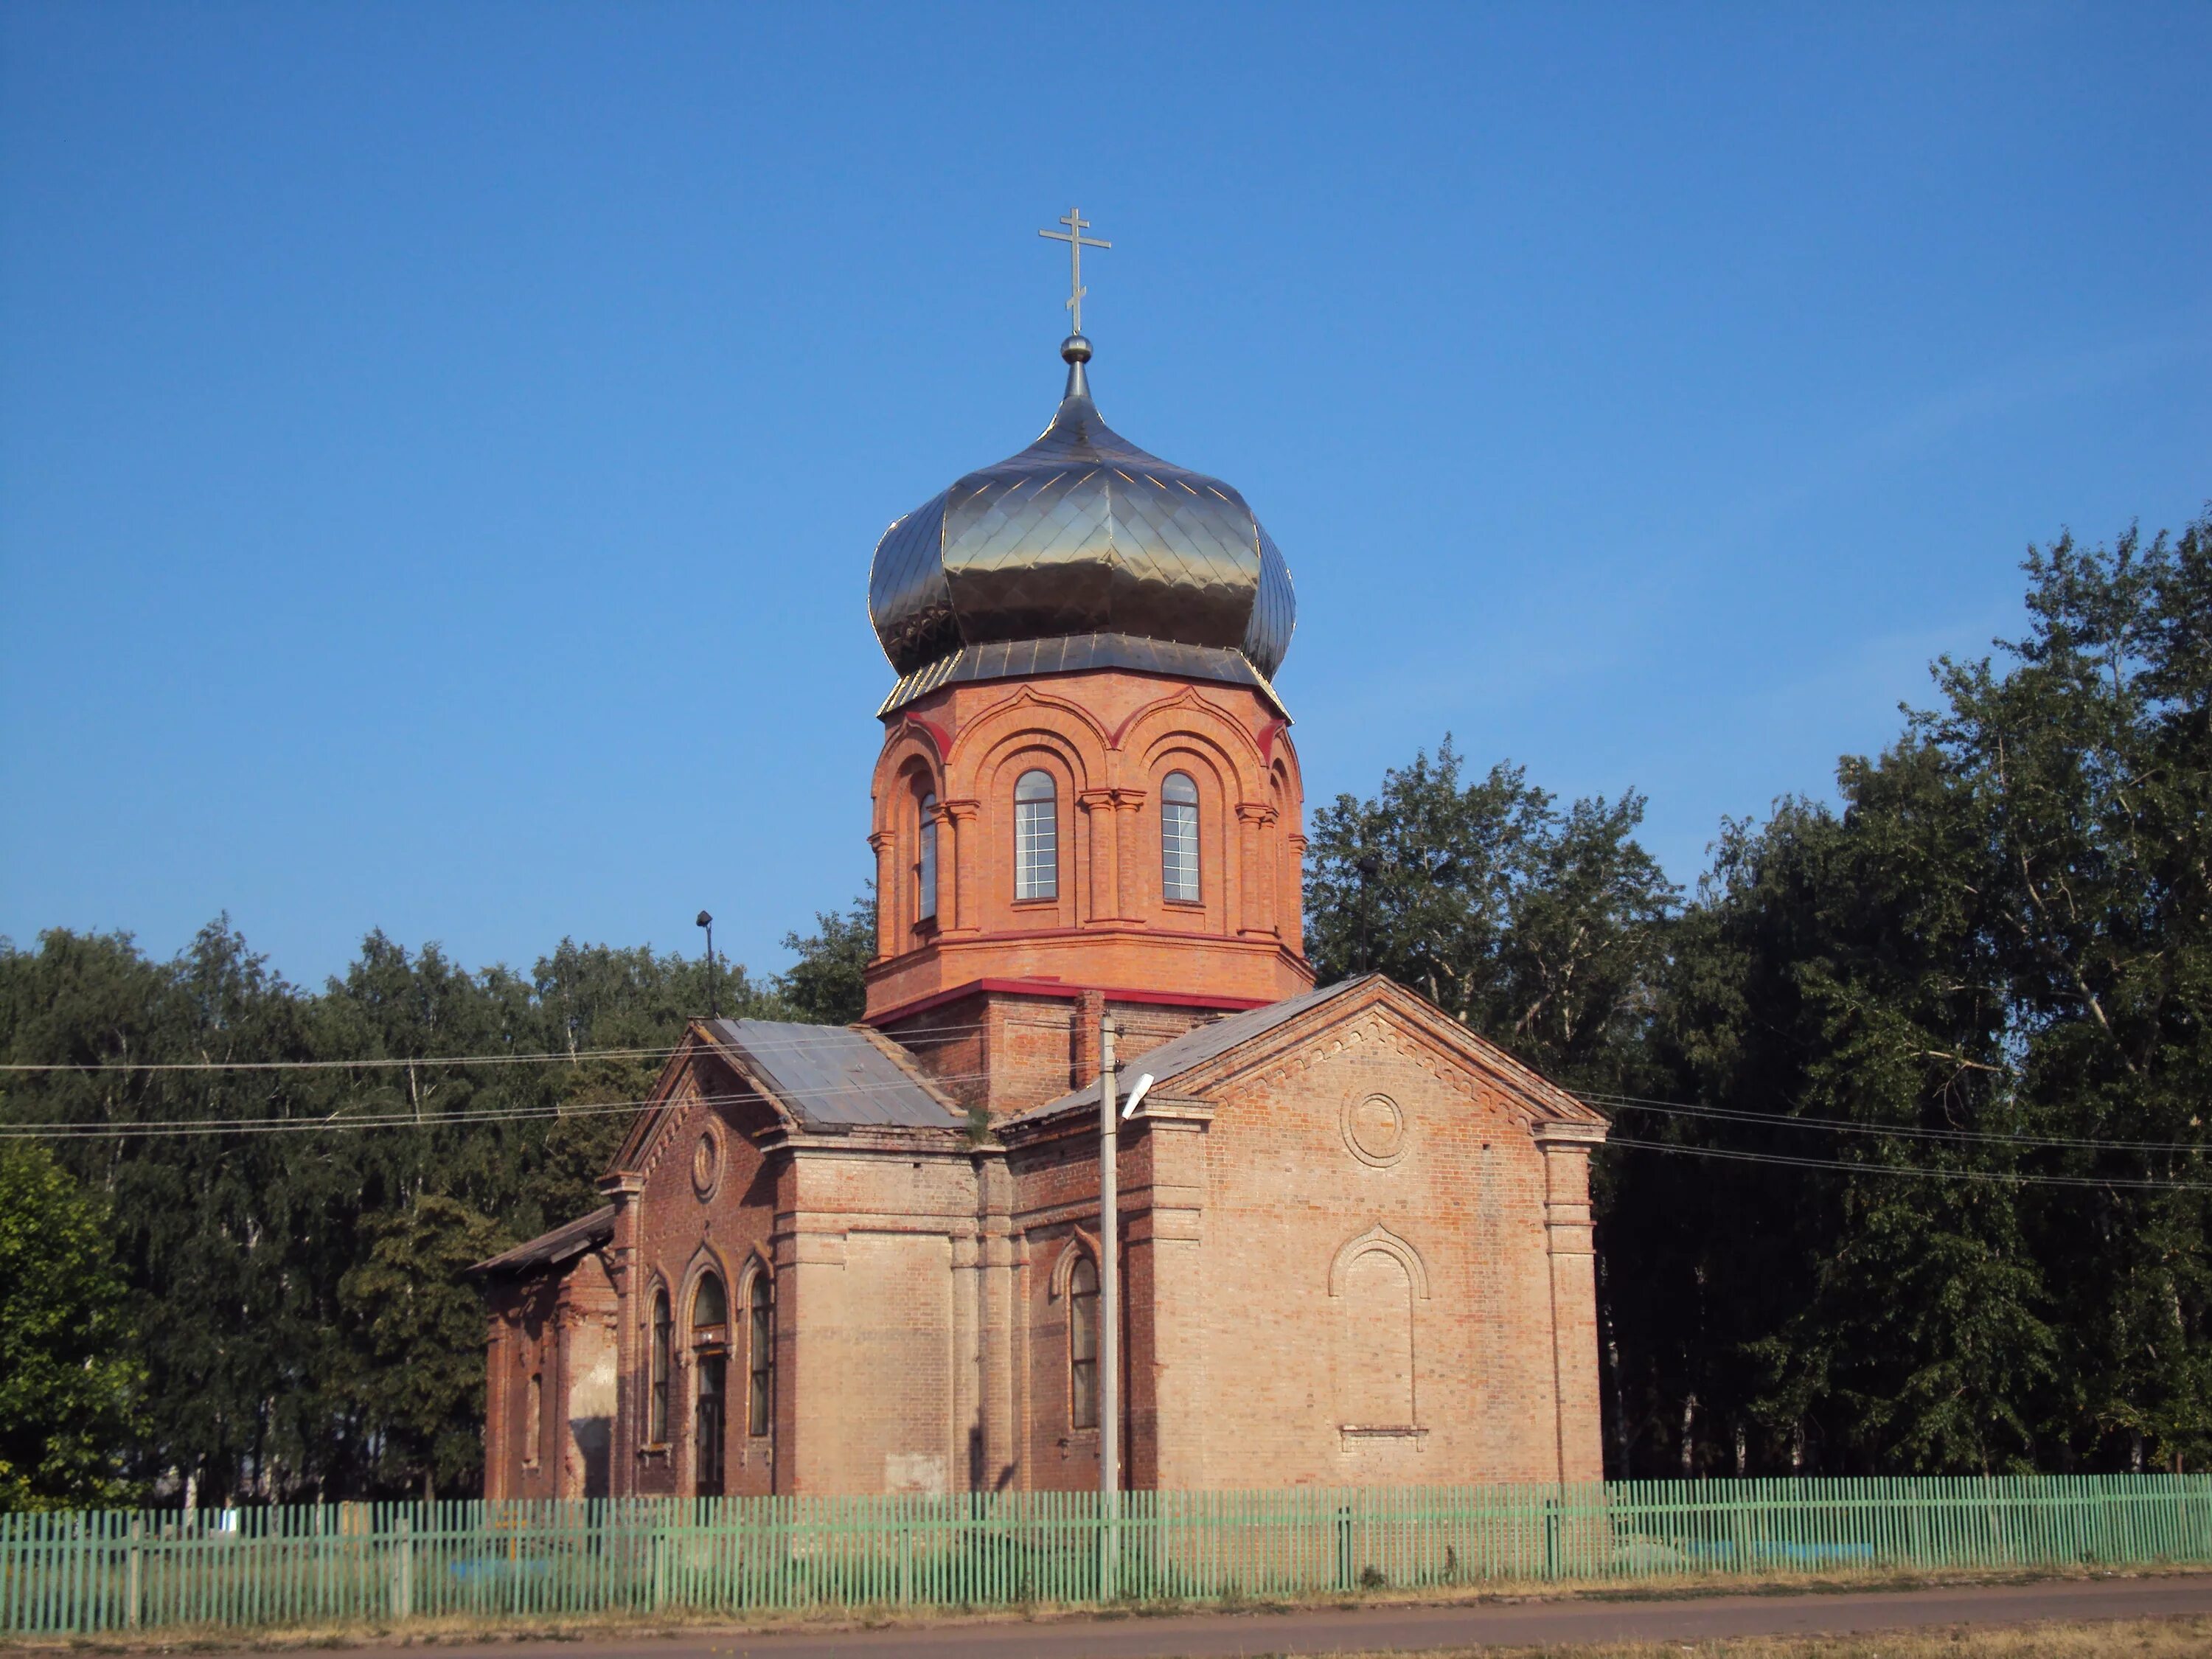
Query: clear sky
[441,446]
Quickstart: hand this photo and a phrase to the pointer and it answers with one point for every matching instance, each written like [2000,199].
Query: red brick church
[1355,1235]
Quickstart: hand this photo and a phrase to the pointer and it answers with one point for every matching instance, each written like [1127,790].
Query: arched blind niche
[1036,836]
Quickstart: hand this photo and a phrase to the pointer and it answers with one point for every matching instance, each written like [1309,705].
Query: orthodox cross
[1077,241]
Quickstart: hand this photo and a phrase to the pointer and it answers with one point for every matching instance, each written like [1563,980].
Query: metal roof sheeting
[549,1249]
[832,1075]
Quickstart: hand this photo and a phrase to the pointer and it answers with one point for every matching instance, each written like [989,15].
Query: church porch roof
[833,1076]
[565,1242]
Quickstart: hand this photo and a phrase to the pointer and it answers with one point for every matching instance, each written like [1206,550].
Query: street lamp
[714,1002]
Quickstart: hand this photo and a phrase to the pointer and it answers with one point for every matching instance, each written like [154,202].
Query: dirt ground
[2153,1615]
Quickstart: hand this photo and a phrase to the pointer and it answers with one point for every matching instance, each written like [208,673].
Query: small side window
[759,1355]
[1083,1345]
[925,864]
[664,1331]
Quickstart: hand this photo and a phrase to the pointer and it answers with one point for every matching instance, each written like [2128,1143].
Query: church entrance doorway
[710,1353]
[707,1431]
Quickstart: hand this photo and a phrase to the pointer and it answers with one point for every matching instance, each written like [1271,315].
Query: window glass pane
[1083,1395]
[657,1428]
[708,1305]
[759,1351]
[1083,1345]
[925,872]
[1036,838]
[1179,839]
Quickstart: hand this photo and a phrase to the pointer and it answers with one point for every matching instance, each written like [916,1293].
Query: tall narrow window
[925,867]
[760,1354]
[1037,837]
[1083,1345]
[533,1421]
[656,1431]
[1179,839]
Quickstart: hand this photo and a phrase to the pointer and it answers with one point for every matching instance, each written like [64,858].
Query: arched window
[760,1354]
[925,866]
[1037,837]
[533,1420]
[1179,839]
[1083,1345]
[656,1431]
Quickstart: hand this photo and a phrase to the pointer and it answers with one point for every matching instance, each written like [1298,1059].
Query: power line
[1791,1120]
[160,1128]
[1730,1156]
[394,1062]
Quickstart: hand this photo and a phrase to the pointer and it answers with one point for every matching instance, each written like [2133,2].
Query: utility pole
[1109,1316]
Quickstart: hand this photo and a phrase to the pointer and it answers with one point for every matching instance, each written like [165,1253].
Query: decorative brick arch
[1080,1244]
[907,750]
[1381,1241]
[1028,708]
[1189,710]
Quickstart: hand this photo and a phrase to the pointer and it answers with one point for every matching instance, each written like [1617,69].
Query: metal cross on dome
[1077,241]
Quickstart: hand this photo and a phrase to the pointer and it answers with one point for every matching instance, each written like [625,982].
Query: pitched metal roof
[833,1075]
[1194,1048]
[549,1249]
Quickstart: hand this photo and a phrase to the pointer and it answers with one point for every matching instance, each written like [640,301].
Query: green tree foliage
[2002,940]
[1538,926]
[69,1385]
[826,984]
[1992,961]
[295,1296]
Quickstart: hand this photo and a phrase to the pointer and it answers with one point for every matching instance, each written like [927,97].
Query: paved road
[1227,1636]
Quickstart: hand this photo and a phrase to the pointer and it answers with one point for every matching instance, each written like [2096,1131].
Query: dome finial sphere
[1075,350]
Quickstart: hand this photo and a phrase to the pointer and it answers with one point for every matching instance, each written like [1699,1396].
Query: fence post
[403,1568]
[133,1575]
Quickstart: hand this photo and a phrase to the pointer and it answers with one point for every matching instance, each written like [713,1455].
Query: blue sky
[441,447]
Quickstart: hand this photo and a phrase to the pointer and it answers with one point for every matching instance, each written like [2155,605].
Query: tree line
[1908,1170]
[211,1287]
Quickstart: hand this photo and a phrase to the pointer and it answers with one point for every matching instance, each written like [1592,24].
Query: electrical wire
[343,1119]
[1841,1126]
[1731,1156]
[766,1044]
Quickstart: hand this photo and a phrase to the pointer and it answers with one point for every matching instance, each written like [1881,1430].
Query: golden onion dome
[1083,551]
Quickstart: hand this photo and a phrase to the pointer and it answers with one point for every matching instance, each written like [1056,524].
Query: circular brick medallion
[1375,1129]
[707,1164]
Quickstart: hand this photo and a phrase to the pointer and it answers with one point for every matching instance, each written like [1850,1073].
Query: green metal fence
[77,1573]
